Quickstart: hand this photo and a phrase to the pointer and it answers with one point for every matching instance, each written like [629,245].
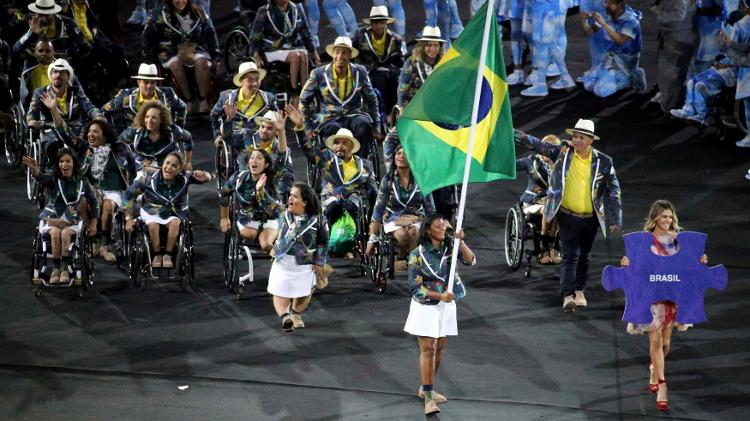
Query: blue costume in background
[512,10]
[620,68]
[443,14]
[313,19]
[396,10]
[704,86]
[709,27]
[598,42]
[738,53]
[341,16]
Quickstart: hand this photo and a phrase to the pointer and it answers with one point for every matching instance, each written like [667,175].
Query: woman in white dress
[300,253]
[432,315]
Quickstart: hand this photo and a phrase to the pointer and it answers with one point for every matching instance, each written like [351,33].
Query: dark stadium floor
[127,354]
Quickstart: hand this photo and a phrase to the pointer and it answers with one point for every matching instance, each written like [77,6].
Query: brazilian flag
[435,126]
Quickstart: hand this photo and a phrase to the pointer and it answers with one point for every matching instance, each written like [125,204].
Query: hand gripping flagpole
[469,152]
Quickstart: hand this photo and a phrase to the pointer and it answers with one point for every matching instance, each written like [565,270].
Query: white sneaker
[535,90]
[515,78]
[553,70]
[569,304]
[580,299]
[744,142]
[656,98]
[565,82]
[533,76]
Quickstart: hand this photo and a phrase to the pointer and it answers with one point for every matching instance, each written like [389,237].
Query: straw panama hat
[585,127]
[431,33]
[45,7]
[245,68]
[378,13]
[147,72]
[345,42]
[346,134]
[269,117]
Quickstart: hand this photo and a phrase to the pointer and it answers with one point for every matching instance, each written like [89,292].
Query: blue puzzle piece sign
[680,278]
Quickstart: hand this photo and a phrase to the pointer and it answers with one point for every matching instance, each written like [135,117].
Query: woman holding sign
[432,315]
[663,224]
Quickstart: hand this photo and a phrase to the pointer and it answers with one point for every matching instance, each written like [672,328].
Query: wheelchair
[382,262]
[13,135]
[225,164]
[82,263]
[141,273]
[237,249]
[521,226]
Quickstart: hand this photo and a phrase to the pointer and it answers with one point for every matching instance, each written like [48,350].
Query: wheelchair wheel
[138,252]
[236,50]
[231,260]
[374,156]
[36,264]
[223,165]
[514,237]
[34,150]
[187,265]
[120,238]
[14,137]
[86,266]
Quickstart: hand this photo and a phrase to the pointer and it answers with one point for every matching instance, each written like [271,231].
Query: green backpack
[343,234]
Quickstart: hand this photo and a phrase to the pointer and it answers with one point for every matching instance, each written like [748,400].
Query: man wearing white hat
[344,94]
[584,196]
[236,109]
[66,105]
[46,22]
[347,180]
[381,51]
[129,100]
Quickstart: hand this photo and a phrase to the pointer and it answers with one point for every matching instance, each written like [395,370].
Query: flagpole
[474,115]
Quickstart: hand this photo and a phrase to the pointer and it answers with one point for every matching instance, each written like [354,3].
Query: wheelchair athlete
[255,197]
[280,33]
[400,207]
[129,100]
[345,96]
[237,109]
[381,51]
[153,136]
[539,168]
[63,103]
[109,166]
[346,177]
[181,34]
[71,206]
[165,203]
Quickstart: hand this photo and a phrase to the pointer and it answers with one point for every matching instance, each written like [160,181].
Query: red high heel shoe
[662,405]
[652,387]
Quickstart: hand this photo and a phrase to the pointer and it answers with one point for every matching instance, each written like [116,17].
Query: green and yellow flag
[435,126]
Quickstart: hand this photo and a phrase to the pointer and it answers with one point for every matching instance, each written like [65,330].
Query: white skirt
[391,226]
[114,196]
[281,55]
[150,219]
[290,280]
[434,321]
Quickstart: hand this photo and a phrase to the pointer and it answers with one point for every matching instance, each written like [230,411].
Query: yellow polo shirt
[38,77]
[350,169]
[378,45]
[249,106]
[577,193]
[141,99]
[79,14]
[61,103]
[344,85]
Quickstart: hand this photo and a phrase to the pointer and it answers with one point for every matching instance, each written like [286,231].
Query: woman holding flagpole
[432,314]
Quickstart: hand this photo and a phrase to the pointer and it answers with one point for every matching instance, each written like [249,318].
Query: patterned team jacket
[605,188]
[394,200]
[429,269]
[413,75]
[159,198]
[67,41]
[333,184]
[241,121]
[319,89]
[282,162]
[163,33]
[80,110]
[174,139]
[123,157]
[127,100]
[392,58]
[64,195]
[307,240]
[288,31]
[254,205]
[538,182]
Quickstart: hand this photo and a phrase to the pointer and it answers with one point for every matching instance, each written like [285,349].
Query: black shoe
[287,322]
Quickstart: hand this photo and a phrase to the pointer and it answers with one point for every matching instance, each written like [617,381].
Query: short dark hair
[268,171]
[312,204]
[110,136]
[177,154]
[424,230]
